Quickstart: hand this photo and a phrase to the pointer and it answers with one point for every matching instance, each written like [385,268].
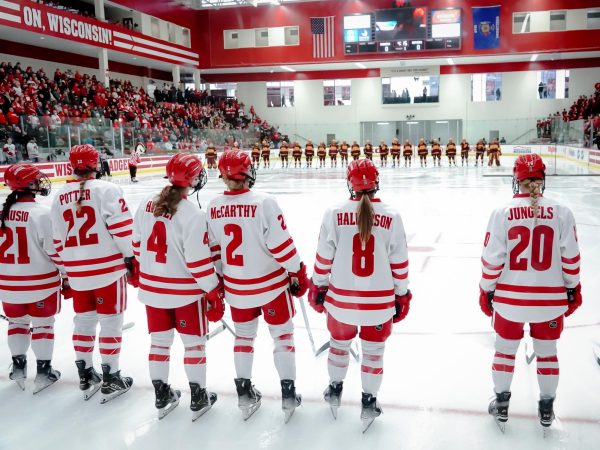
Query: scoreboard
[408,29]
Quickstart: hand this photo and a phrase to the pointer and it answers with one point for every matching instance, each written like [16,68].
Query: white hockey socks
[84,336]
[243,347]
[284,351]
[547,367]
[194,358]
[338,359]
[18,335]
[111,329]
[42,337]
[160,354]
[503,367]
[371,370]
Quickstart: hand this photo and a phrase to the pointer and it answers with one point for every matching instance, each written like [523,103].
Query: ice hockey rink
[437,381]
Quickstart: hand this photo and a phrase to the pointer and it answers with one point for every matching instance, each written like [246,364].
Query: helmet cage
[202,179]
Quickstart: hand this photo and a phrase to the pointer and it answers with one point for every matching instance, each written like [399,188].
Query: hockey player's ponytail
[365,217]
[167,200]
[534,187]
[10,201]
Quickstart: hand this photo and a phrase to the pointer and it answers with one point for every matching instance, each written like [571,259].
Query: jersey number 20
[541,247]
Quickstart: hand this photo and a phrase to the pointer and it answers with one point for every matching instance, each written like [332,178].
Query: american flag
[323,37]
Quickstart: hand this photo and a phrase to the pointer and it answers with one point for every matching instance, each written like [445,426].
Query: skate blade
[366,424]
[287,414]
[334,411]
[89,393]
[164,412]
[39,387]
[109,397]
[21,383]
[212,398]
[248,411]
[501,425]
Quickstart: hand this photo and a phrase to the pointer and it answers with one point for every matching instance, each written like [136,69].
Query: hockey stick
[216,331]
[307,324]
[529,357]
[228,327]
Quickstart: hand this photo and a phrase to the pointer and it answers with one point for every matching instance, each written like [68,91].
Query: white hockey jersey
[252,247]
[92,241]
[176,268]
[529,264]
[29,264]
[363,279]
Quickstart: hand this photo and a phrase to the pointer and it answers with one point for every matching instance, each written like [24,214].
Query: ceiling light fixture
[360,65]
[289,69]
[533,57]
[450,61]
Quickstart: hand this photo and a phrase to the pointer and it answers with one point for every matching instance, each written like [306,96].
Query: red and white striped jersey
[530,263]
[29,264]
[134,159]
[248,231]
[93,240]
[362,279]
[176,268]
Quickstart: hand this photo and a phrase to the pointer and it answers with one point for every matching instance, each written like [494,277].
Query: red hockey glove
[402,304]
[298,281]
[574,298]
[133,271]
[65,289]
[485,302]
[316,296]
[215,306]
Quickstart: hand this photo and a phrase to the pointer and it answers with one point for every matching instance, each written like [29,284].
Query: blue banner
[486,27]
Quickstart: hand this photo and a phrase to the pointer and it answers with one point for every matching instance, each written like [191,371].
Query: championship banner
[486,27]
[45,20]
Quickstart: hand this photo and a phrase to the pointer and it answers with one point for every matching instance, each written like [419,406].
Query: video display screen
[401,23]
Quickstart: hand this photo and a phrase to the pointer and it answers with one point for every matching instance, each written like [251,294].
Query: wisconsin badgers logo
[271,312]
[553,324]
[100,300]
[182,323]
[379,327]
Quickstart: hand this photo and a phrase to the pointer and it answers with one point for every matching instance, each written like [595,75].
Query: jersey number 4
[157,242]
[9,258]
[541,239]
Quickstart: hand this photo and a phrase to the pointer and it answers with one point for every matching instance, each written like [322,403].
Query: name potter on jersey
[526,212]
[349,218]
[73,196]
[224,211]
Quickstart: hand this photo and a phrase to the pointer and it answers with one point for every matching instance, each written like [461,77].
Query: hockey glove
[65,289]
[486,300]
[574,298]
[298,281]
[133,271]
[316,296]
[215,306]
[402,304]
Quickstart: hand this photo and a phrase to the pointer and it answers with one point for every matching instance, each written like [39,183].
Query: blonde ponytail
[365,216]
[535,189]
[81,191]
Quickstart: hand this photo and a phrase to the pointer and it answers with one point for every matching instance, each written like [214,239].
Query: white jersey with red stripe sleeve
[528,262]
[29,264]
[92,240]
[175,262]
[363,279]
[248,232]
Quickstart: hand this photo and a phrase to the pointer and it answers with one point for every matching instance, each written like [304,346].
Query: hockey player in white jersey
[530,265]
[30,280]
[170,240]
[261,270]
[360,280]
[92,229]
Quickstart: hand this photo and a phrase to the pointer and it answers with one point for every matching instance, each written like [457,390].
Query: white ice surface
[437,380]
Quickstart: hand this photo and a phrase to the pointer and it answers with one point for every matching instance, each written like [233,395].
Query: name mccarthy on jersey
[225,211]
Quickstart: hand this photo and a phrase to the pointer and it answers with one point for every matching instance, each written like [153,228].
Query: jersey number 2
[235,231]
[363,259]
[89,214]
[541,247]
[23,255]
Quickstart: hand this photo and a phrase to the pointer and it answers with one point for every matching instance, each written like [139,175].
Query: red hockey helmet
[182,168]
[362,176]
[236,165]
[84,157]
[529,166]
[27,177]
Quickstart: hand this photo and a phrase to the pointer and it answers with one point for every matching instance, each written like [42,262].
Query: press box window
[336,92]
[486,87]
[552,84]
[280,94]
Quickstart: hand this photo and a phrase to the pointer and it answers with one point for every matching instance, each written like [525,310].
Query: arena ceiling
[215,4]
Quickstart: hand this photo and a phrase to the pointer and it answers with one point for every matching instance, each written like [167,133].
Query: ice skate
[19,370]
[498,408]
[546,411]
[46,376]
[201,401]
[333,396]
[248,397]
[113,384]
[370,411]
[167,398]
[89,380]
[289,399]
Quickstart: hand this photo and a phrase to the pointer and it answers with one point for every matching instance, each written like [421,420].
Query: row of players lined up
[187,263]
[395,150]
